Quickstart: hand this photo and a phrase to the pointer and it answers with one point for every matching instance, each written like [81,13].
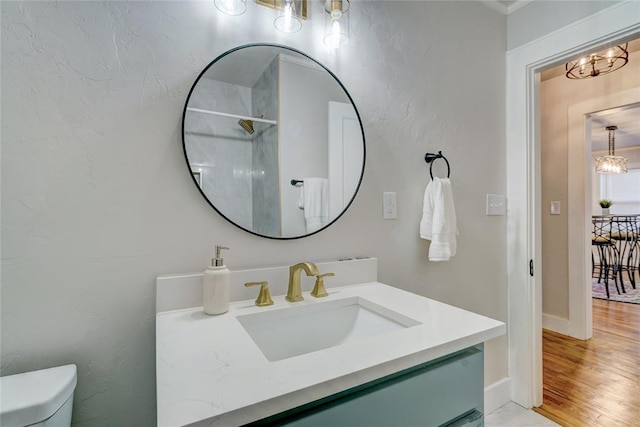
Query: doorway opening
[615,24]
[573,122]
[574,117]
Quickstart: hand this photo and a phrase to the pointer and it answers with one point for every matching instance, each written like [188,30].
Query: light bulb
[336,35]
[288,22]
[231,7]
[333,38]
[287,18]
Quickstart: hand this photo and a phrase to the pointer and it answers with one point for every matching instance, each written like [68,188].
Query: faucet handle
[264,298]
[319,290]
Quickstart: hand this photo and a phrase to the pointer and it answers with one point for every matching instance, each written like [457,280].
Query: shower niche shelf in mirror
[261,115]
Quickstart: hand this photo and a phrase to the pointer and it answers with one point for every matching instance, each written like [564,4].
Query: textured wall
[539,18]
[97,200]
[557,95]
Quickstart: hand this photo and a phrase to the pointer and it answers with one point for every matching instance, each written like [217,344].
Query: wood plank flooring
[595,382]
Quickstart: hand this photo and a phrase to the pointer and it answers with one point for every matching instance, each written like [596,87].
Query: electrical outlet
[554,208]
[389,210]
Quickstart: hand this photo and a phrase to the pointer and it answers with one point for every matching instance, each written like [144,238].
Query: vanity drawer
[448,391]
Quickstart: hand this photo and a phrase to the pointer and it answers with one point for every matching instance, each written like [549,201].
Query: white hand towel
[438,222]
[301,198]
[316,203]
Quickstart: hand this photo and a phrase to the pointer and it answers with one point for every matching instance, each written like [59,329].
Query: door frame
[616,23]
[580,206]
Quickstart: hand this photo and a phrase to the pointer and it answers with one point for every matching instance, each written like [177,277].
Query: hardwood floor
[595,382]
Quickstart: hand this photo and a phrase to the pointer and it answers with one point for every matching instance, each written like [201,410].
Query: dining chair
[605,261]
[625,231]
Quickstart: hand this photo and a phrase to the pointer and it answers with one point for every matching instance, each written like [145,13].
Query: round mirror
[273,141]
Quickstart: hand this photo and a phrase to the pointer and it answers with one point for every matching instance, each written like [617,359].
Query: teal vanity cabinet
[444,392]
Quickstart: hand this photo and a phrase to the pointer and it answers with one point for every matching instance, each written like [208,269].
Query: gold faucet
[264,298]
[319,290]
[294,293]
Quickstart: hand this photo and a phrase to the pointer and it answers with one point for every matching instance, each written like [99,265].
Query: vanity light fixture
[290,13]
[288,21]
[596,64]
[231,7]
[611,163]
[336,23]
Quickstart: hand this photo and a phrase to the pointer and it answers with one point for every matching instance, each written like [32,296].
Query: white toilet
[39,398]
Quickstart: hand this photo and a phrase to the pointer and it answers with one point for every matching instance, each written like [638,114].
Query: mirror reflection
[274,141]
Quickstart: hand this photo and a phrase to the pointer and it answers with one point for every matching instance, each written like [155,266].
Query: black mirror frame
[184,148]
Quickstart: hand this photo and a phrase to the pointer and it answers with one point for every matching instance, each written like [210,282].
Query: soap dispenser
[215,285]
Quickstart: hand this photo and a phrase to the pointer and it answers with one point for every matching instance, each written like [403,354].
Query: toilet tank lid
[32,397]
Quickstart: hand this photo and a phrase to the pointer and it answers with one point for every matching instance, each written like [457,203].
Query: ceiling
[242,67]
[559,70]
[627,119]
[506,6]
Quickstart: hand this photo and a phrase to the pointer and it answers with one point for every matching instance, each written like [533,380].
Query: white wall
[539,18]
[97,200]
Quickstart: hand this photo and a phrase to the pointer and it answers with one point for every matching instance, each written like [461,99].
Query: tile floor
[514,415]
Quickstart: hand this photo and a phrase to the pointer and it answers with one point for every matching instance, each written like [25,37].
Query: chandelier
[596,64]
[611,163]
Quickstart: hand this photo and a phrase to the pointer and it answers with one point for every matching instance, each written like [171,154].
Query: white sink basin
[288,332]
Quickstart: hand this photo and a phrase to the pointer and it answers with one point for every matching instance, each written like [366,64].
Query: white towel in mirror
[315,200]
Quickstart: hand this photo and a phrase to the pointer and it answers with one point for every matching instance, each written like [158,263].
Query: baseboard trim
[497,395]
[555,324]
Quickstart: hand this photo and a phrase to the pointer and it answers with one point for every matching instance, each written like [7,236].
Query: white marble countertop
[209,371]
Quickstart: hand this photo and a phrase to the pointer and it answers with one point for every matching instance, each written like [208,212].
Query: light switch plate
[554,208]
[496,204]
